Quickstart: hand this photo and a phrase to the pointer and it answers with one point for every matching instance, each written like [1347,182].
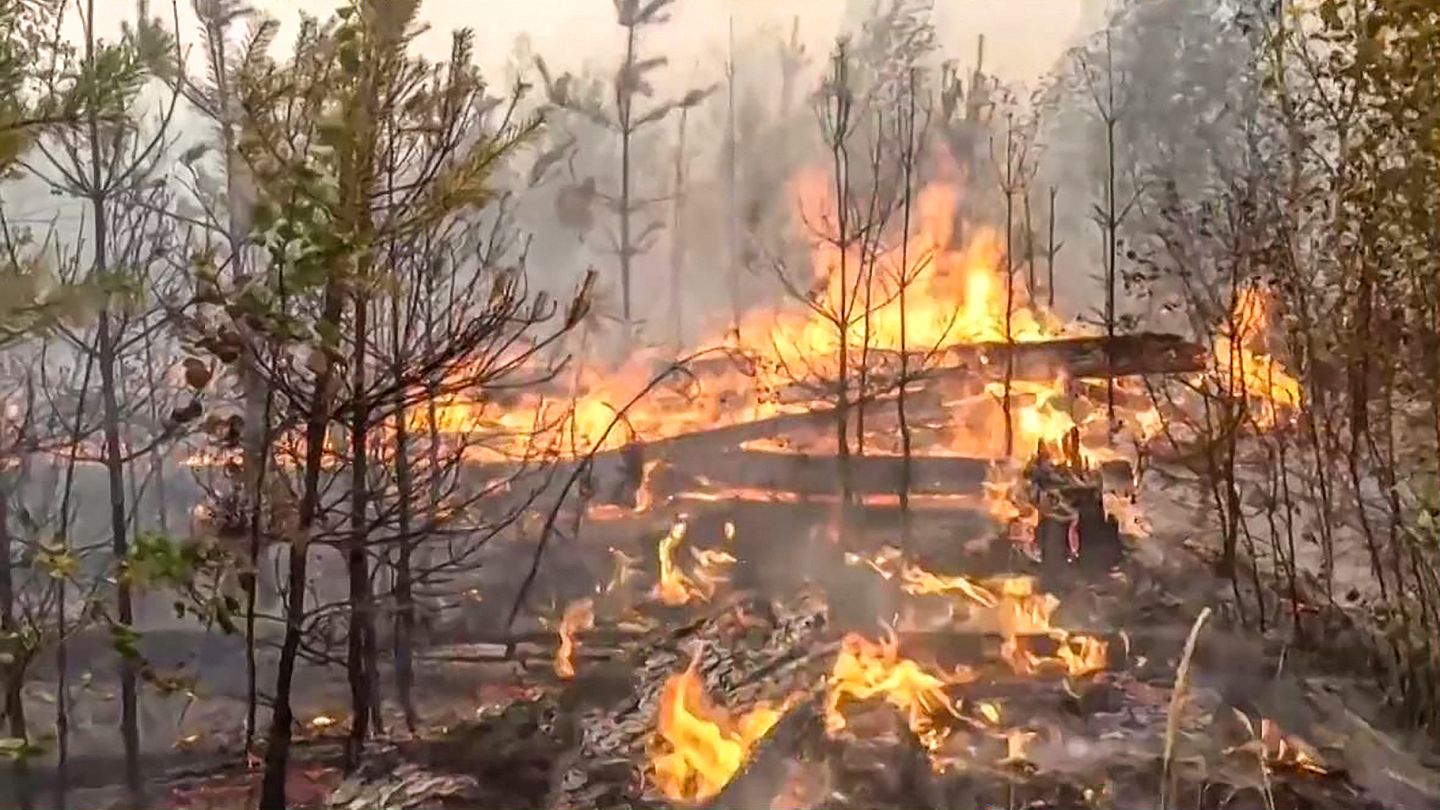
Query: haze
[1024,37]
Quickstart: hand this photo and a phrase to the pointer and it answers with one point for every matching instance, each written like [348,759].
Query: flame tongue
[1023,611]
[866,669]
[698,746]
[579,615]
[675,587]
[1243,370]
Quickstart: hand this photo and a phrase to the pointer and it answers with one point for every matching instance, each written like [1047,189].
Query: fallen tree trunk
[816,474]
[1140,354]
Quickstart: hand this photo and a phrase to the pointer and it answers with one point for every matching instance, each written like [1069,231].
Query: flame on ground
[699,747]
[919,582]
[1241,365]
[675,587]
[867,670]
[579,615]
[1024,611]
[1275,749]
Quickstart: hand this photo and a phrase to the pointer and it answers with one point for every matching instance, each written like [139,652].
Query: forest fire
[698,746]
[866,670]
[864,427]
[1242,366]
[579,616]
[674,586]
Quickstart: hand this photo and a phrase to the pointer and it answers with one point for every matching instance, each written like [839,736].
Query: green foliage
[17,750]
[195,571]
[33,302]
[125,641]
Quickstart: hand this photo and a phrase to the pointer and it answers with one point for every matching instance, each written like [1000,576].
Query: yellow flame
[699,747]
[866,669]
[1241,366]
[579,615]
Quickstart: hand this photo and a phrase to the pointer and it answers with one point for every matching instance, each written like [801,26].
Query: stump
[1074,534]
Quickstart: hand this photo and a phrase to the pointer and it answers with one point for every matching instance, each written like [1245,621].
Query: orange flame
[579,615]
[675,587]
[699,747]
[866,669]
[1243,369]
[1023,611]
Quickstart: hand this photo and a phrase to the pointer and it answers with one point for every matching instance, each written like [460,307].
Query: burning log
[1139,354]
[756,785]
[816,474]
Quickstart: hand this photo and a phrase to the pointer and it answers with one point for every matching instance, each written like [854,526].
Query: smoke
[1025,38]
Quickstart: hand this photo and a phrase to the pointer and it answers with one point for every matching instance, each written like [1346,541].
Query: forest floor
[1260,723]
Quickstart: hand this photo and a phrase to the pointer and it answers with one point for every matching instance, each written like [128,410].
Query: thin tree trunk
[62,651]
[1111,243]
[841,165]
[404,588]
[358,664]
[1009,287]
[1030,264]
[1050,251]
[157,456]
[906,438]
[14,671]
[732,236]
[677,246]
[282,716]
[625,97]
[120,544]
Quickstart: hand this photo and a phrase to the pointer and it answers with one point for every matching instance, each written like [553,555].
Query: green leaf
[17,750]
[125,640]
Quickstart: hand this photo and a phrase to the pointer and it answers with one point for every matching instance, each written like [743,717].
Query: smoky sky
[1024,38]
